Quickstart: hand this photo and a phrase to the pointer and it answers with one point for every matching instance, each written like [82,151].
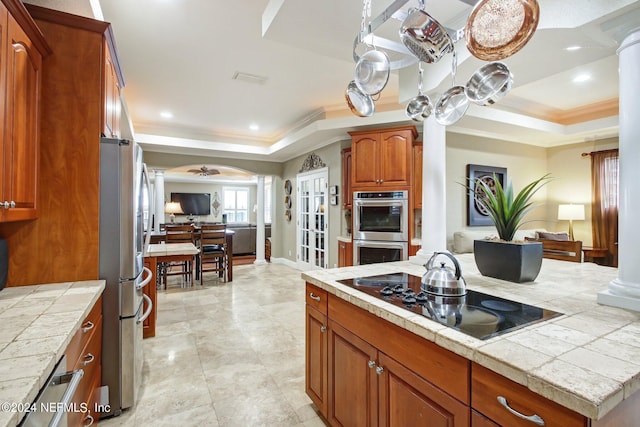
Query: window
[236,204]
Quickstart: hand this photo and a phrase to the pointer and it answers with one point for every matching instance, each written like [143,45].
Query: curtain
[604,206]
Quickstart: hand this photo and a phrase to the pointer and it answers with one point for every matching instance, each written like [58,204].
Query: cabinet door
[395,158]
[342,254]
[366,160]
[24,64]
[112,98]
[353,382]
[347,193]
[405,399]
[417,175]
[316,358]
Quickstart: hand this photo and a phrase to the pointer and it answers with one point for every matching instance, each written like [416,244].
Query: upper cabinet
[22,48]
[382,158]
[112,105]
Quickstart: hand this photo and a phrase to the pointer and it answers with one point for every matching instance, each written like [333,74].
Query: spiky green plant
[507,211]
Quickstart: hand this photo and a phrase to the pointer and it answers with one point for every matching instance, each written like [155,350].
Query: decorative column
[624,291]
[434,200]
[260,223]
[159,199]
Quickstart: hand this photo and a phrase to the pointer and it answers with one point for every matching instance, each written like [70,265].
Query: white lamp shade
[571,212]
[173,208]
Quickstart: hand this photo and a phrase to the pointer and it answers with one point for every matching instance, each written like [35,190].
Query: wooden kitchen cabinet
[368,387]
[112,104]
[22,50]
[347,193]
[73,97]
[84,352]
[316,347]
[149,324]
[487,386]
[377,381]
[345,254]
[382,158]
[417,174]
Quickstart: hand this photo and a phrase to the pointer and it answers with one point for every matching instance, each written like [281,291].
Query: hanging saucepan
[489,83]
[453,104]
[372,72]
[359,103]
[496,29]
[420,107]
[424,36]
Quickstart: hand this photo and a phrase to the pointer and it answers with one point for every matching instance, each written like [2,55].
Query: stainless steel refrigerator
[123,181]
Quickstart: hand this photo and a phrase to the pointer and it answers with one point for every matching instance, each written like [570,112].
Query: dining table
[158,237]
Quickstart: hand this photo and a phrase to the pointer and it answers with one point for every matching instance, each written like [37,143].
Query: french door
[312,221]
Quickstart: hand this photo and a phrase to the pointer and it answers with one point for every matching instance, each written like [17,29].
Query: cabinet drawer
[487,387]
[317,298]
[90,361]
[84,334]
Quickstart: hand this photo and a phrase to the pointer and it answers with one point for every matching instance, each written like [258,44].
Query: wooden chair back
[179,233]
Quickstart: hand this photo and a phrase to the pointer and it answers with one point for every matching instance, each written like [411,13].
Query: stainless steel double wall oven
[380,226]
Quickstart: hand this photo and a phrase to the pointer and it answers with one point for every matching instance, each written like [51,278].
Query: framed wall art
[476,214]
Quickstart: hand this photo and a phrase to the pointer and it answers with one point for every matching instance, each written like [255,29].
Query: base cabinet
[316,347]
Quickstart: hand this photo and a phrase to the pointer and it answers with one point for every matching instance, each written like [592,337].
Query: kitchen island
[38,325]
[586,361]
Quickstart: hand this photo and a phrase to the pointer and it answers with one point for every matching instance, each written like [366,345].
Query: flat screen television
[193,203]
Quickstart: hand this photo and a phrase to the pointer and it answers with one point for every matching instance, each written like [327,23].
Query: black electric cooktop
[477,314]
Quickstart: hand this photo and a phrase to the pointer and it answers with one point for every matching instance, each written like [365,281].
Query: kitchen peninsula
[581,368]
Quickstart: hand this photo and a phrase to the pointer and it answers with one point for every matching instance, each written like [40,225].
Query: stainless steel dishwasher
[54,400]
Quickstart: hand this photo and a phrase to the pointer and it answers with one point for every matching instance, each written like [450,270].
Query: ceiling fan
[204,171]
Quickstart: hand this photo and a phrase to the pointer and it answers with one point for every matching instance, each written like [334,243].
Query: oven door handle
[73,378]
[374,244]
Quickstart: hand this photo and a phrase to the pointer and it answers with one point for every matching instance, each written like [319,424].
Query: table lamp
[173,208]
[571,213]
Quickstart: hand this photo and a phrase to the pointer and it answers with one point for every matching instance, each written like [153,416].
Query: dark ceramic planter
[515,262]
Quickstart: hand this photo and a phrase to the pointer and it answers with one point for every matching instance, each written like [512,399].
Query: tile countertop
[587,360]
[36,325]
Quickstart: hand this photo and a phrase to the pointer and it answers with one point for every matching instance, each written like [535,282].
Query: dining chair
[179,233]
[213,251]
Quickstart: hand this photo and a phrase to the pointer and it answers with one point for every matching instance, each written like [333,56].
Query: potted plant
[503,258]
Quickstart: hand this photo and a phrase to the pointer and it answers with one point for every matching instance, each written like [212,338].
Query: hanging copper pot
[496,29]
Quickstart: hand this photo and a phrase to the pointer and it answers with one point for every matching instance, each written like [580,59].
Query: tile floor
[227,354]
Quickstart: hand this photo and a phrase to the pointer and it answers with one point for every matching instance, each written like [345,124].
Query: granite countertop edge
[64,324]
[535,374]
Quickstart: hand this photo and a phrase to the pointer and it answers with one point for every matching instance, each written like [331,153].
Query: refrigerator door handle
[147,311]
[147,239]
[146,281]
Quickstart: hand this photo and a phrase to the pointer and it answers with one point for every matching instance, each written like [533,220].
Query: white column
[434,200]
[260,223]
[624,291]
[159,198]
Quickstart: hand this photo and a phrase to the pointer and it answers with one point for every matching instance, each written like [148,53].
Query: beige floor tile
[227,354]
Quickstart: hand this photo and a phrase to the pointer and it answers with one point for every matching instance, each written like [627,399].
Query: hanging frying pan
[453,104]
[489,83]
[496,29]
[359,102]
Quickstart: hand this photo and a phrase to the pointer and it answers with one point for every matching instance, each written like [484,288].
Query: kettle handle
[429,264]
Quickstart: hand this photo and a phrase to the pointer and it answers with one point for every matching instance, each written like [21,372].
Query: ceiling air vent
[249,78]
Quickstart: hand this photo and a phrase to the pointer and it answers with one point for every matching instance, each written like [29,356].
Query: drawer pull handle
[371,364]
[87,327]
[536,419]
[90,419]
[323,328]
[88,359]
[379,370]
[314,297]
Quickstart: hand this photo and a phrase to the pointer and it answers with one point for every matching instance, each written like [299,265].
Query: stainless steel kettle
[443,280]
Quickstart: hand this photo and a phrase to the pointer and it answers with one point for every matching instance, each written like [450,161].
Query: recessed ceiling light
[254,127]
[580,78]
[166,114]
[572,48]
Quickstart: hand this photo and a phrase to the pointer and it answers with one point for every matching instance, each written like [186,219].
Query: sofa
[555,245]
[244,239]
